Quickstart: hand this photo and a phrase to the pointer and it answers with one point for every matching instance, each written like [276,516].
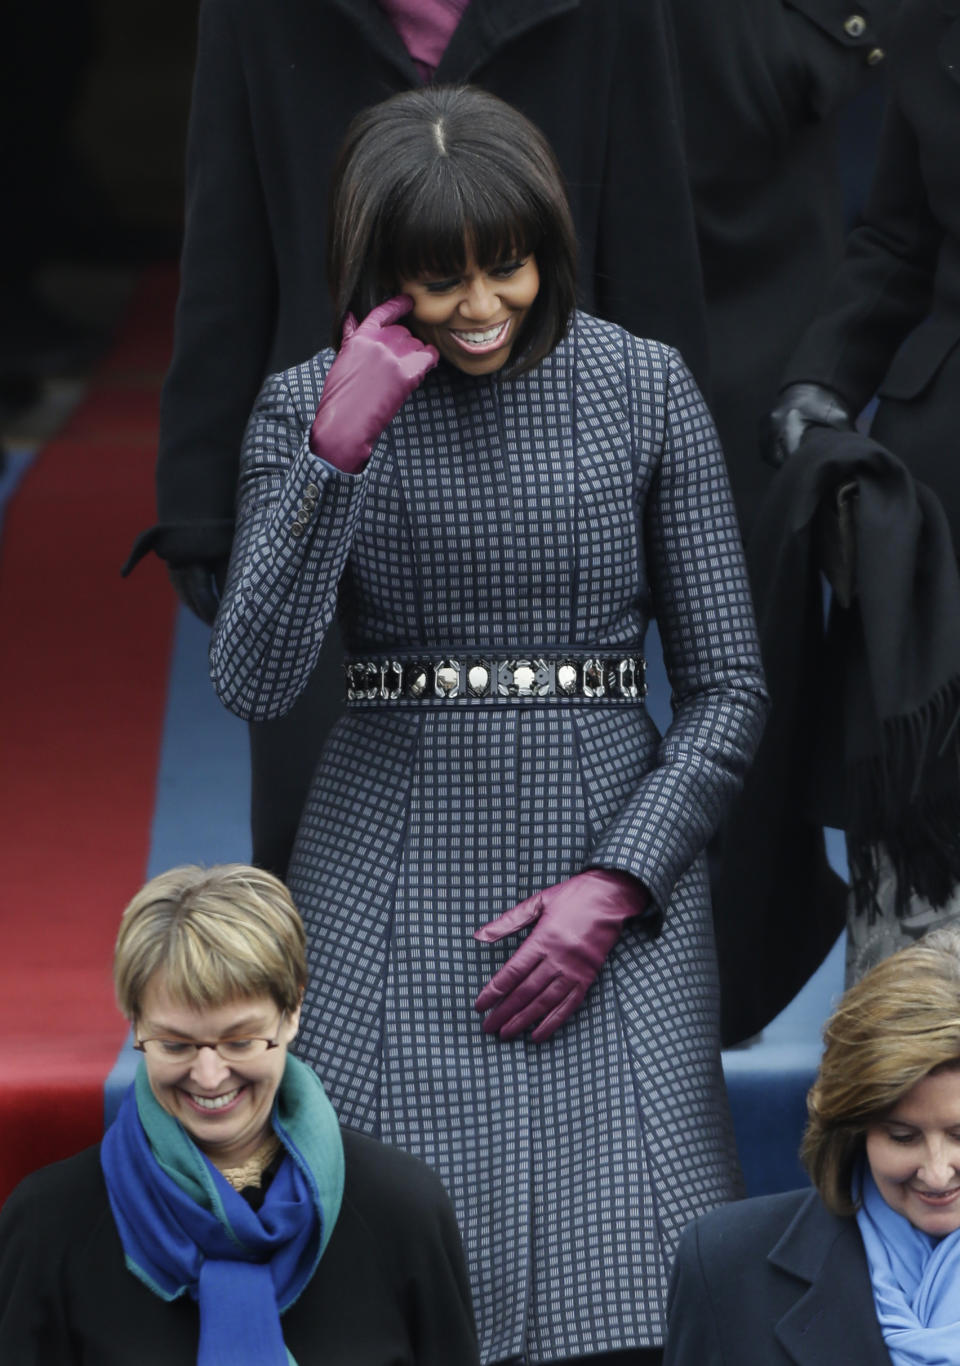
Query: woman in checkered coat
[501,861]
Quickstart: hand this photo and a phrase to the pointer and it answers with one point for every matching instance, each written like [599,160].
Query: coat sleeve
[837,51]
[296,518]
[440,1308]
[693,1337]
[411,1244]
[652,190]
[702,601]
[226,310]
[33,1327]
[884,284]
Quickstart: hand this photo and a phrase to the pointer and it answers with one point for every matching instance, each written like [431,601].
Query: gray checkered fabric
[557,510]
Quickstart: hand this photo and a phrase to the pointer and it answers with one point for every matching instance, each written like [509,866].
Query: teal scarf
[185,1230]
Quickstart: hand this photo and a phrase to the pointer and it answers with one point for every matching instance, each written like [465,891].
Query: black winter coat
[391,1288]
[763,83]
[891,320]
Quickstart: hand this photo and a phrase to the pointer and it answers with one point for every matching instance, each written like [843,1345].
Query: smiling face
[224,1107]
[474,318]
[914,1154]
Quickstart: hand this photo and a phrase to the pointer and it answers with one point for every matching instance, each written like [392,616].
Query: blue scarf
[916,1283]
[185,1230]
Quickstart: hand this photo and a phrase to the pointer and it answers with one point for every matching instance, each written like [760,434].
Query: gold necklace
[250,1173]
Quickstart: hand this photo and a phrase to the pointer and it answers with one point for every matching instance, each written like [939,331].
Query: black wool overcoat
[764,82]
[891,320]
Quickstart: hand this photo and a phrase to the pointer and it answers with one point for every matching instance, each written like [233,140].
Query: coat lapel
[370,19]
[486,26]
[834,1322]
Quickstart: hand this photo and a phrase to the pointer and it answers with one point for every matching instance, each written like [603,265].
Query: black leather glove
[801,406]
[199,586]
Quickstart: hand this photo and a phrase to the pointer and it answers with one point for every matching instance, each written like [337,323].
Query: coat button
[855,25]
[296,529]
[311,491]
[875,56]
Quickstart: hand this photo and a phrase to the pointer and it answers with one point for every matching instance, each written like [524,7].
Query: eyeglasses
[185,1051]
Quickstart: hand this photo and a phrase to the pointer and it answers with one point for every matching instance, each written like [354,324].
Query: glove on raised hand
[575,925]
[379,364]
[801,406]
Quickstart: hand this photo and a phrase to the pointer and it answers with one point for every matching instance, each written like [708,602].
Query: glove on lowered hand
[801,406]
[199,586]
[575,925]
[379,364]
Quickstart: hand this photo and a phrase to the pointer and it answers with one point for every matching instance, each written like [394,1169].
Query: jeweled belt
[618,678]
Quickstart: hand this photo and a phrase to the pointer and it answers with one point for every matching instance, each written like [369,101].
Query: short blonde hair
[893,1028]
[217,934]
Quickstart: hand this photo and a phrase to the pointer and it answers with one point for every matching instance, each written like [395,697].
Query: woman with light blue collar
[864,1270]
[226,1219]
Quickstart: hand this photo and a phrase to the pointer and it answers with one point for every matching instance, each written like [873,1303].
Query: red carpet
[85,659]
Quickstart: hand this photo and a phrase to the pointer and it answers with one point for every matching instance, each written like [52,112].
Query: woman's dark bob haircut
[427,171]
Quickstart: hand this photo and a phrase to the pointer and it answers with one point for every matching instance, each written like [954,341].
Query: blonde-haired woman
[226,1217]
[864,1268]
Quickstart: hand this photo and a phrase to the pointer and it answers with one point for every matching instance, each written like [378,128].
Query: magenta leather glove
[575,925]
[379,364]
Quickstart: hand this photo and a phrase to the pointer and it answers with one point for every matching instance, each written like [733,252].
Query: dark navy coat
[775,1281]
[554,512]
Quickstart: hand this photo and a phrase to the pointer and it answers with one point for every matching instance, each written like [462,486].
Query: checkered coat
[557,510]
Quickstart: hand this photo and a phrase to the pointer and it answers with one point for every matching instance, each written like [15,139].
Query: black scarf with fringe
[864,732]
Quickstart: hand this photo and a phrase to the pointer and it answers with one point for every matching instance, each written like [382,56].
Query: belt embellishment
[451,678]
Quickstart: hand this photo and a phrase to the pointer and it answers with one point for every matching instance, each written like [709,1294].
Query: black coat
[763,82]
[276,84]
[775,1281]
[891,319]
[390,1290]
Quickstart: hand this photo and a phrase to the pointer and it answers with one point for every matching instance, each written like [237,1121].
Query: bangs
[426,227]
[207,964]
[429,177]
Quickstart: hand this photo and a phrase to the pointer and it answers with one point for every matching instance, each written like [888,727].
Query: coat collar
[377,29]
[834,1320]
[486,26]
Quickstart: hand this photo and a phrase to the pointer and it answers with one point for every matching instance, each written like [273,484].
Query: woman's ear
[295,1015]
